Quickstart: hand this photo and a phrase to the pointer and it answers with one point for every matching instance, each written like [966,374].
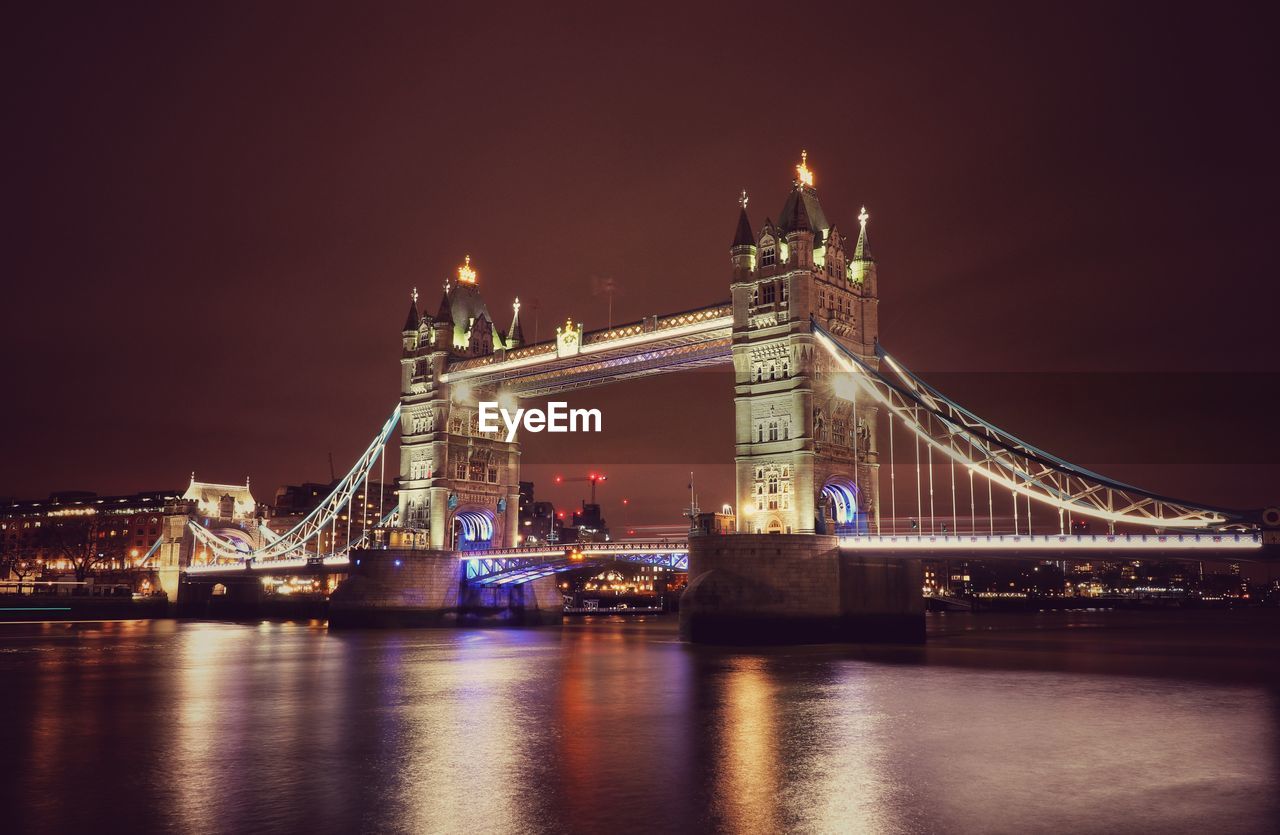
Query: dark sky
[214,213]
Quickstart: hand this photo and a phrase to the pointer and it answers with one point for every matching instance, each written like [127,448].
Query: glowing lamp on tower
[804,174]
[466,275]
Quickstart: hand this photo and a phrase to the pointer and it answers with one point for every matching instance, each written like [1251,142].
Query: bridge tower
[459,487]
[805,450]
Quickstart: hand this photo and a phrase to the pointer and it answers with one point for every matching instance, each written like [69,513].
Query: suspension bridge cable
[364,514]
[1014,494]
[991,509]
[919,500]
[929,454]
[973,510]
[954,528]
[1029,530]
[893,483]
[1004,456]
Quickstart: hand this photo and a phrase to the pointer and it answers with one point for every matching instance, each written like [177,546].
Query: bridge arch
[842,515]
[473,529]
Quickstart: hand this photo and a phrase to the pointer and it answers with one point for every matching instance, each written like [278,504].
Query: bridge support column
[763,589]
[174,554]
[396,587]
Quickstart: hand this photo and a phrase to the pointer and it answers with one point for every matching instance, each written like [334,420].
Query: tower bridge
[823,413]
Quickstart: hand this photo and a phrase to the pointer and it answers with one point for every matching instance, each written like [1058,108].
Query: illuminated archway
[844,518]
[472,530]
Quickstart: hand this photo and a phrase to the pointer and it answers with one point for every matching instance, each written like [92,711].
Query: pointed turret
[742,252]
[515,335]
[863,248]
[445,313]
[863,265]
[744,236]
[799,221]
[412,321]
[444,322]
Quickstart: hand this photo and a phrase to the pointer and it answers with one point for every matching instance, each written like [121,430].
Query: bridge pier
[421,588]
[779,589]
[218,597]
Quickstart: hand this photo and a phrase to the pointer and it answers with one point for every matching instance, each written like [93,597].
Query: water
[1056,722]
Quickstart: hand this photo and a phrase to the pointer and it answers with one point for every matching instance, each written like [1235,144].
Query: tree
[19,559]
[83,542]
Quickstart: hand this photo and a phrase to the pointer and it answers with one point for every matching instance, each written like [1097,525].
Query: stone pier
[402,587]
[779,589]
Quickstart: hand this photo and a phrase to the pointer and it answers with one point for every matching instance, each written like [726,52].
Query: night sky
[214,215]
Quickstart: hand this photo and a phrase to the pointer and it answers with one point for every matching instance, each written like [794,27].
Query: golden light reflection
[466,743]
[748,780]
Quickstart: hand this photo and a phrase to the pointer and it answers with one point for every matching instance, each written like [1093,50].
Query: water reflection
[204,727]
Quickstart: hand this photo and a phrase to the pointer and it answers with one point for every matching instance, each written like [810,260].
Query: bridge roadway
[504,566]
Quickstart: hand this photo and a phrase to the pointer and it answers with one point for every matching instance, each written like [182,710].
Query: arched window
[768,253]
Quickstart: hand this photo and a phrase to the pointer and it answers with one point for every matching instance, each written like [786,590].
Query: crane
[594,478]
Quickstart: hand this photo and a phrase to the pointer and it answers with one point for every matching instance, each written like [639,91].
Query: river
[1056,722]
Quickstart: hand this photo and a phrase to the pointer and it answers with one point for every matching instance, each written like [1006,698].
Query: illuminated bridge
[847,464]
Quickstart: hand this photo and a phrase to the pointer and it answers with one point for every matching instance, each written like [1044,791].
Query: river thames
[1081,722]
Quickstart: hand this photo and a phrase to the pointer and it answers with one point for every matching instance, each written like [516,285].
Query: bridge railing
[1242,541]
[629,546]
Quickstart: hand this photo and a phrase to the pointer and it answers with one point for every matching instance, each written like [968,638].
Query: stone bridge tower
[805,444]
[459,487]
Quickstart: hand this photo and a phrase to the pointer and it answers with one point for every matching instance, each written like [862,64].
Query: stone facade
[396,587]
[459,487]
[806,456]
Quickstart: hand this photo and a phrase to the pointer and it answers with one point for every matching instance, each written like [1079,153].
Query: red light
[626,501]
[631,533]
[560,514]
[557,479]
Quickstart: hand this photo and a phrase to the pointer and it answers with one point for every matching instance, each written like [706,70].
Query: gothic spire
[412,321]
[445,314]
[863,248]
[515,334]
[744,236]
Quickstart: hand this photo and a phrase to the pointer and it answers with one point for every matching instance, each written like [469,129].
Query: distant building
[588,525]
[538,522]
[713,524]
[293,502]
[130,523]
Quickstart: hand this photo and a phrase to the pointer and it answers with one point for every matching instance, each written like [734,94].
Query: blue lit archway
[843,516]
[472,530]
